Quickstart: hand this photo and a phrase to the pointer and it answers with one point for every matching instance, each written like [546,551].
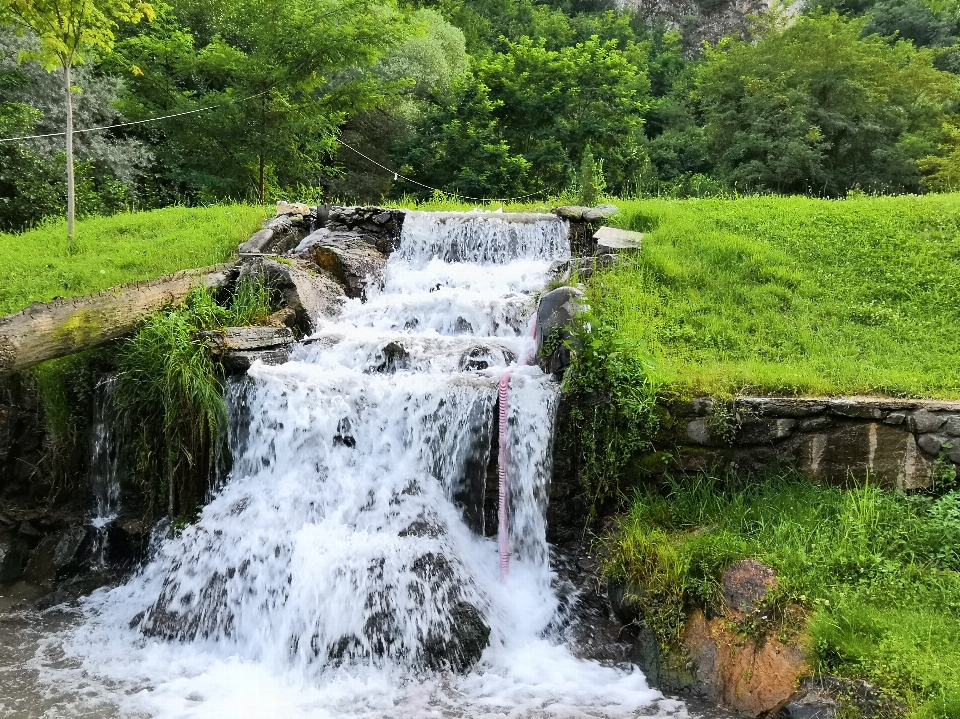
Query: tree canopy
[488,98]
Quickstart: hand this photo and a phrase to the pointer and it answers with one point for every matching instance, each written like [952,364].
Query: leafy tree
[459,148]
[911,20]
[67,32]
[551,103]
[813,108]
[424,71]
[280,77]
[942,170]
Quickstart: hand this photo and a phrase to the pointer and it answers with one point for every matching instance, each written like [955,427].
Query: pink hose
[503,529]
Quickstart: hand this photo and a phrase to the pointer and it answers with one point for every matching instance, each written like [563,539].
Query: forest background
[488,98]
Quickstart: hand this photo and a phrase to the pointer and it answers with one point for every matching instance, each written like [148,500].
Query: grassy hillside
[793,295]
[37,266]
[875,572]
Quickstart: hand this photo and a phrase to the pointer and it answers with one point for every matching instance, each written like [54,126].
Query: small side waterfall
[342,570]
[105,466]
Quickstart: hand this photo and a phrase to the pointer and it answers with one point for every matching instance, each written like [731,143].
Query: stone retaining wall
[898,443]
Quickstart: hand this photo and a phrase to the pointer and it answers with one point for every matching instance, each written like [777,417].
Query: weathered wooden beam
[46,330]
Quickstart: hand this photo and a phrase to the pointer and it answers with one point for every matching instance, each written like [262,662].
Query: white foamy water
[334,575]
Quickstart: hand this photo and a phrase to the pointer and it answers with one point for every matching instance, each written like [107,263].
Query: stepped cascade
[349,564]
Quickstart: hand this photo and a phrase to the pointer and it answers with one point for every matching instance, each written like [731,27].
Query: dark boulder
[745,585]
[555,315]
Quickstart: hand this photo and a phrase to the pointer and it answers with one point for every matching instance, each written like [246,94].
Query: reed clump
[170,393]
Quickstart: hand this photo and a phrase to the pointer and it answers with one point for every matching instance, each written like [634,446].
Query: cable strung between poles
[133,122]
[436,189]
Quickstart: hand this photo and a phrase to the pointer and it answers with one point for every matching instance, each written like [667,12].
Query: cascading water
[104,467]
[335,573]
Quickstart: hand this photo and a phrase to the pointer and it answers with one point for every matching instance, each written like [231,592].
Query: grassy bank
[37,266]
[877,572]
[792,295]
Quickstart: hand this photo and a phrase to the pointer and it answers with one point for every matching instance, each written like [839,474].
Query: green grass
[790,295]
[37,266]
[170,391]
[877,572]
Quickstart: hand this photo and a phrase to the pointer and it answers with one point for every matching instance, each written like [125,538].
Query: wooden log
[46,330]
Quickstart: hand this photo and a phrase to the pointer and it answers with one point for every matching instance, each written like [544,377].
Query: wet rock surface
[555,314]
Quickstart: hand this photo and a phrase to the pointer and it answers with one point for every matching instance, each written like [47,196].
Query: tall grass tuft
[170,393]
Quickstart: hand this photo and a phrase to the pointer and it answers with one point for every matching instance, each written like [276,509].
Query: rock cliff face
[701,20]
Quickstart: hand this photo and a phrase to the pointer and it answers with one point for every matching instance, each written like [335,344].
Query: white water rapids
[334,574]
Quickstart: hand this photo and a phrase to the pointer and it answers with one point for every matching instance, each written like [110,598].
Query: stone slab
[611,240]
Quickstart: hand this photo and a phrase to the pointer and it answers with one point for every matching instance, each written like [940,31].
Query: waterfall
[344,568]
[104,467]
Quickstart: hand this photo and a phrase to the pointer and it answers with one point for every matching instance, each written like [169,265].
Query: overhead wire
[396,174]
[134,122]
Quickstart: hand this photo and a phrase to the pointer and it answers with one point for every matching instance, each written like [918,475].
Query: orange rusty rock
[750,675]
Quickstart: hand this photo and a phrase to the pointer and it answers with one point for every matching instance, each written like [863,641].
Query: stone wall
[899,443]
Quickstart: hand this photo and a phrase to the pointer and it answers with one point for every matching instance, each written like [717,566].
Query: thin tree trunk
[71,200]
[263,159]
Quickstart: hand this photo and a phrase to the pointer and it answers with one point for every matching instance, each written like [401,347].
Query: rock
[646,655]
[924,422]
[859,409]
[826,697]
[284,317]
[556,311]
[623,609]
[381,227]
[952,426]
[854,450]
[309,294]
[239,361]
[247,338]
[258,242]
[745,585]
[782,406]
[931,443]
[353,262]
[555,314]
[483,356]
[461,650]
[29,531]
[764,431]
[611,240]
[600,212]
[895,418]
[815,424]
[57,556]
[588,265]
[394,357]
[750,676]
[287,231]
[292,208]
[13,556]
[569,212]
[698,432]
